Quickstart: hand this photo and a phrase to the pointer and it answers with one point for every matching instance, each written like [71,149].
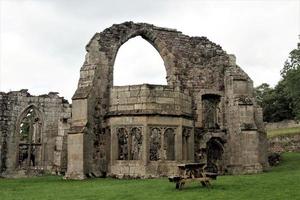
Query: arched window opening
[155,144]
[136,143]
[138,62]
[129,143]
[30,140]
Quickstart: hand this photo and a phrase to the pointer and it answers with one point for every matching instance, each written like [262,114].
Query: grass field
[281,182]
[283,131]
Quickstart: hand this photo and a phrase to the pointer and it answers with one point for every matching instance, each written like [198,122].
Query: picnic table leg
[205,183]
[179,185]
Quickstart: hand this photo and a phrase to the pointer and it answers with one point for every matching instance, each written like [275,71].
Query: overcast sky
[42,42]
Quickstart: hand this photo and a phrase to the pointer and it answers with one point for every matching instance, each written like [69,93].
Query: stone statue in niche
[210,111]
[155,144]
[169,144]
[136,143]
[122,143]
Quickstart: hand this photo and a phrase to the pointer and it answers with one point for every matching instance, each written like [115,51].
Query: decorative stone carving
[210,111]
[243,100]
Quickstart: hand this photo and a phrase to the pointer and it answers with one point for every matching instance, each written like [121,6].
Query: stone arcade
[206,113]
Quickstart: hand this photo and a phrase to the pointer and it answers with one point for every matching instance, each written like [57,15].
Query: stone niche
[151,130]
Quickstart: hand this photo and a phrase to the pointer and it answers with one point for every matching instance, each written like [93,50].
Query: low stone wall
[282,124]
[149,99]
[287,143]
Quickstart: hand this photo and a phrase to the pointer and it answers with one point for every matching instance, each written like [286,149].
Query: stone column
[178,144]
[114,146]
[75,156]
[191,145]
[146,145]
[76,140]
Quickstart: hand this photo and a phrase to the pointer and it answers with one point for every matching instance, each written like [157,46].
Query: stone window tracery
[30,140]
[155,144]
[136,143]
[122,144]
[130,141]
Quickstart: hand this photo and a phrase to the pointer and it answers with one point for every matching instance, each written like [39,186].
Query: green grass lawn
[283,131]
[281,182]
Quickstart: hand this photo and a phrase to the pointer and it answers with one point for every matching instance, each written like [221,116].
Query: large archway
[137,62]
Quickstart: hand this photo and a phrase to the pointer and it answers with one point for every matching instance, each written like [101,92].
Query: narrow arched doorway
[215,150]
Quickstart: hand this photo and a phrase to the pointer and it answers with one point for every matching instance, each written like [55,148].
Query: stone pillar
[114,146]
[76,140]
[178,144]
[162,148]
[75,156]
[146,145]
[191,145]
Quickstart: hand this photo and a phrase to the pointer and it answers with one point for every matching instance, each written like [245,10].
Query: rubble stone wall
[53,110]
[285,143]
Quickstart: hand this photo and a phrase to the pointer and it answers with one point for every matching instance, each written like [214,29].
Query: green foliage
[281,182]
[283,101]
[291,77]
[275,102]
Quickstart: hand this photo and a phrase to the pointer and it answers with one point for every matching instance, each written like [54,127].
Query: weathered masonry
[33,133]
[206,113]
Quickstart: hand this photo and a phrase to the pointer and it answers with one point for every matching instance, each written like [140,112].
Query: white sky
[42,42]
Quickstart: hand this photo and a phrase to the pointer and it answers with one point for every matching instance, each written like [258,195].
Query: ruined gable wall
[12,105]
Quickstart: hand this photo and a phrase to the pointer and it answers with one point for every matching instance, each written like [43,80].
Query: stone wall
[285,143]
[282,124]
[149,99]
[50,109]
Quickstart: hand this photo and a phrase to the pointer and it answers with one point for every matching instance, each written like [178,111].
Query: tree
[274,102]
[282,102]
[291,78]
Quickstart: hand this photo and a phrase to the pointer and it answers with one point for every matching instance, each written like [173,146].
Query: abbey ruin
[206,113]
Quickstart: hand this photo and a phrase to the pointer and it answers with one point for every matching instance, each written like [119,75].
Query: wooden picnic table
[193,172]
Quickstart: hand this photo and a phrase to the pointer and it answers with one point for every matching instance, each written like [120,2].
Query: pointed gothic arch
[136,60]
[29,138]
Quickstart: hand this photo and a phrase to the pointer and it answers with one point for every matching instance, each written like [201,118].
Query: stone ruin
[33,131]
[206,113]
